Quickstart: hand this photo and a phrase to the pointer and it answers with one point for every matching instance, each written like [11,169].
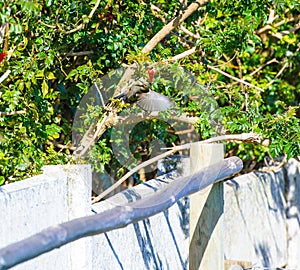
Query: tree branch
[247,137]
[89,16]
[236,79]
[61,146]
[110,119]
[12,113]
[188,32]
[193,50]
[278,74]
[2,31]
[155,10]
[80,26]
[171,25]
[136,118]
[280,35]
[269,27]
[4,76]
[77,53]
[274,60]
[47,25]
[181,55]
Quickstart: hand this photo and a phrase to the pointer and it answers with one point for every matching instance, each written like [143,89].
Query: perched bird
[139,92]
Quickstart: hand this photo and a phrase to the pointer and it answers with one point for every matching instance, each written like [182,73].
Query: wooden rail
[118,216]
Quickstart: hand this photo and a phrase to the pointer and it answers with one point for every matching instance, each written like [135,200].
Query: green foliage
[48,79]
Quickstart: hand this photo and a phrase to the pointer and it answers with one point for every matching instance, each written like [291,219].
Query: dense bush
[55,49]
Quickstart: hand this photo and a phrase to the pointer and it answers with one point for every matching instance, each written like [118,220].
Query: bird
[139,92]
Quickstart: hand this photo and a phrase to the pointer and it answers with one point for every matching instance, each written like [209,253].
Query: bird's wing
[153,101]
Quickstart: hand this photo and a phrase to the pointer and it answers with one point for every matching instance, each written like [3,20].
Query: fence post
[79,185]
[206,213]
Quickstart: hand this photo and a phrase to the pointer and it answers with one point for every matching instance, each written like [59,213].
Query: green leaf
[50,76]
[73,73]
[45,88]
[40,73]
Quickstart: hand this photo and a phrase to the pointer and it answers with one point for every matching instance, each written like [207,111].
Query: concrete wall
[60,194]
[262,221]
[159,242]
[262,218]
[63,193]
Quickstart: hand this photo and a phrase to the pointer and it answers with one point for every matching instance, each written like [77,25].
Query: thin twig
[5,45]
[248,137]
[273,168]
[280,35]
[12,113]
[80,26]
[183,40]
[268,27]
[181,55]
[4,76]
[136,118]
[236,79]
[155,10]
[89,16]
[62,146]
[238,60]
[188,32]
[47,25]
[2,31]
[131,172]
[278,74]
[77,53]
[193,50]
[274,60]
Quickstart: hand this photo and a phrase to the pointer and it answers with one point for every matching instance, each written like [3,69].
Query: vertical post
[79,185]
[206,213]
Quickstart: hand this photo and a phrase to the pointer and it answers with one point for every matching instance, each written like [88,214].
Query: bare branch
[280,35]
[47,25]
[272,16]
[274,60]
[136,118]
[268,27]
[181,55]
[188,32]
[193,50]
[12,113]
[77,53]
[155,10]
[94,133]
[171,25]
[62,146]
[247,137]
[4,76]
[278,74]
[236,79]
